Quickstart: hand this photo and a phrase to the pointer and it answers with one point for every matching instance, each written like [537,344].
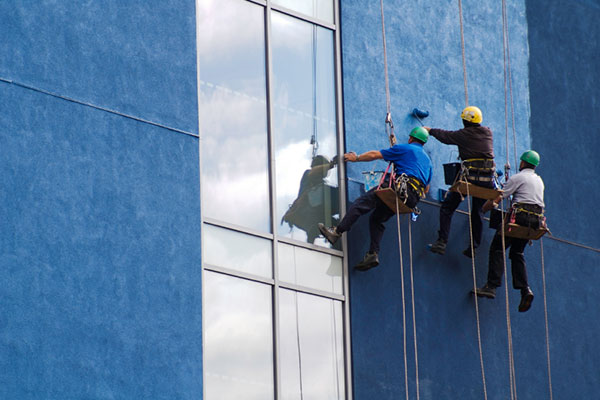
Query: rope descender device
[389,127]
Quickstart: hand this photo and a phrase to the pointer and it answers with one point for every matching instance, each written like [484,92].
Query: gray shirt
[526,187]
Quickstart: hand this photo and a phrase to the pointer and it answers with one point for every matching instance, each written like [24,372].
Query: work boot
[526,299]
[369,261]
[485,291]
[439,247]
[330,233]
[467,252]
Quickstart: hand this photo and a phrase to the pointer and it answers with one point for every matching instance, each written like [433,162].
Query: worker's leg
[476,220]
[519,271]
[376,224]
[449,205]
[360,206]
[496,261]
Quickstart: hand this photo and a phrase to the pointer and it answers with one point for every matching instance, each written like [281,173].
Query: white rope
[507,66]
[546,318]
[385,67]
[403,299]
[412,291]
[476,301]
[511,359]
[462,45]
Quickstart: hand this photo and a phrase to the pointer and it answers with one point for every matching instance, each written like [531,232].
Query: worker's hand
[352,157]
[488,206]
[427,128]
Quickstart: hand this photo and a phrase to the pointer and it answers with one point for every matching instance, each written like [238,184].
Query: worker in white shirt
[527,190]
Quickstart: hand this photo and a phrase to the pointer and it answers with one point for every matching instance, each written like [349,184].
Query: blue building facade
[164,165]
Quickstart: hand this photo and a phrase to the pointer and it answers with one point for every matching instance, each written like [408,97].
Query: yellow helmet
[472,114]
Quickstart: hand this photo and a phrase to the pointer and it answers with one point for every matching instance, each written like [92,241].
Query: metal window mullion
[238,274]
[237,228]
[342,199]
[309,246]
[310,291]
[272,197]
[303,17]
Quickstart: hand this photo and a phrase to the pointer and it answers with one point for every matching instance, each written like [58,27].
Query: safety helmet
[531,157]
[472,114]
[420,133]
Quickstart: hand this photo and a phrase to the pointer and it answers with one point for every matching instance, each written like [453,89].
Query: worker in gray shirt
[527,190]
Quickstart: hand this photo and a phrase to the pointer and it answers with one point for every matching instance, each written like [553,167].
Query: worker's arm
[446,137]
[491,204]
[427,189]
[368,156]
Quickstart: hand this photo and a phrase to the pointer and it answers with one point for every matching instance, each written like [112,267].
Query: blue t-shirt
[410,159]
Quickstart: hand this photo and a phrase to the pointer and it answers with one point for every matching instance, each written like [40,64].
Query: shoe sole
[526,303]
[485,295]
[366,267]
[323,230]
[437,250]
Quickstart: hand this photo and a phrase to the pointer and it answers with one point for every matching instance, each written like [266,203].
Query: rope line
[403,299]
[511,357]
[462,45]
[507,165]
[412,291]
[508,84]
[546,318]
[385,67]
[506,69]
[512,102]
[476,301]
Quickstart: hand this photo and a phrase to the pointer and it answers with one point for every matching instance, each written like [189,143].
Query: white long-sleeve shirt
[525,187]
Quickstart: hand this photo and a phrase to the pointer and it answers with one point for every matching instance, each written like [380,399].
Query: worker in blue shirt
[409,159]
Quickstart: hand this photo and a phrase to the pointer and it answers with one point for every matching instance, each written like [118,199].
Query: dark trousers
[496,262]
[451,203]
[381,213]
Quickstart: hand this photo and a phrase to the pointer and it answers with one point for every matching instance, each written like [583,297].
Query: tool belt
[479,169]
[529,215]
[411,182]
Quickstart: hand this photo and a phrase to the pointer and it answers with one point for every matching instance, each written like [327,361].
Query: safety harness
[478,170]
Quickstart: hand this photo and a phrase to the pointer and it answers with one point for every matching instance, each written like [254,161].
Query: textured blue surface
[565,122]
[425,65]
[99,214]
[136,57]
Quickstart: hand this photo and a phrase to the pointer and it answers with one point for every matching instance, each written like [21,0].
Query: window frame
[275,239]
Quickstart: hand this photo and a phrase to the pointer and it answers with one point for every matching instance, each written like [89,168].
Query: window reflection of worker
[316,199]
[409,159]
[527,189]
[476,150]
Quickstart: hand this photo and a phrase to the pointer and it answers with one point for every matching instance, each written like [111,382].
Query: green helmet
[420,133]
[531,157]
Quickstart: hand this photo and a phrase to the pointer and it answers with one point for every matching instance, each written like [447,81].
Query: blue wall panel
[135,57]
[424,56]
[99,254]
[565,123]
[100,214]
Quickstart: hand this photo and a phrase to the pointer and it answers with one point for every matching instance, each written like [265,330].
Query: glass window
[309,268]
[233,113]
[312,356]
[252,254]
[321,9]
[304,128]
[238,355]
